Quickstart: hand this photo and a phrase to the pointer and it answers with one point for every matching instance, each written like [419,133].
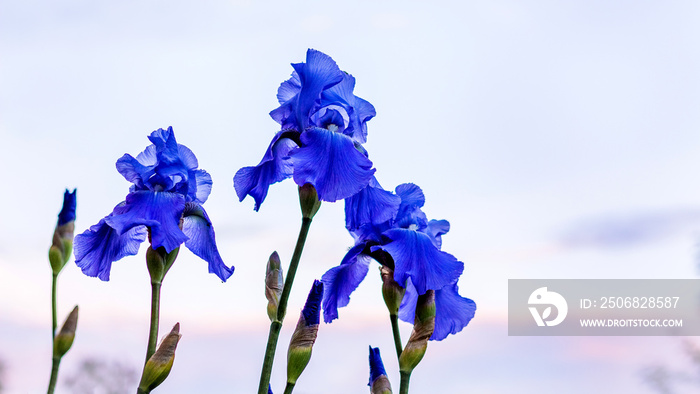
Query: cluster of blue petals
[164,204]
[67,213]
[323,127]
[392,229]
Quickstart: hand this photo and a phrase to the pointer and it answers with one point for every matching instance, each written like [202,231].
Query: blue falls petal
[100,245]
[407,310]
[417,258]
[452,312]
[436,228]
[201,239]
[330,162]
[370,205]
[159,211]
[275,166]
[339,282]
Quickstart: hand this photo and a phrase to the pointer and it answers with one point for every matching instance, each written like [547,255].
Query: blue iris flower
[164,204]
[323,127]
[393,230]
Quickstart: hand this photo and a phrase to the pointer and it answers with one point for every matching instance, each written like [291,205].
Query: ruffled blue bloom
[67,213]
[164,204]
[323,125]
[408,243]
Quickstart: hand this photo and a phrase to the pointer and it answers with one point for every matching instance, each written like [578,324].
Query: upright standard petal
[201,239]
[275,166]
[360,111]
[412,199]
[330,162]
[100,245]
[372,205]
[160,211]
[417,258]
[339,282]
[452,312]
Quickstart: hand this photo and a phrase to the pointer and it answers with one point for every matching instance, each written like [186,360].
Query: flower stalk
[309,208]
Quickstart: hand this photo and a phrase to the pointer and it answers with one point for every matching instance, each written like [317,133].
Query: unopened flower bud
[62,243]
[159,262]
[393,293]
[423,326]
[158,367]
[274,282]
[378,381]
[64,339]
[304,336]
[308,199]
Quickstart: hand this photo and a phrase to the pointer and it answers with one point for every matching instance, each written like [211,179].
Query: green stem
[397,335]
[54,374]
[276,326]
[155,312]
[141,391]
[405,377]
[54,326]
[289,388]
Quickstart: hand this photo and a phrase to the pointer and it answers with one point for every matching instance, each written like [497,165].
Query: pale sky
[560,139]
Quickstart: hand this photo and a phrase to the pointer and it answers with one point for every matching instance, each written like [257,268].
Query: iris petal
[360,110]
[412,199]
[100,245]
[452,312]
[275,166]
[417,258]
[160,211]
[134,171]
[330,162]
[407,310]
[202,181]
[339,282]
[372,204]
[436,228]
[201,239]
[318,73]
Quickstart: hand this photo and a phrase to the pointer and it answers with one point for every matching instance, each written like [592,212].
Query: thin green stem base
[405,378]
[155,313]
[397,334]
[276,325]
[289,388]
[54,375]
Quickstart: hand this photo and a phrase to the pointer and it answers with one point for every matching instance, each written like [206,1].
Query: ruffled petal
[412,199]
[160,211]
[436,228]
[100,245]
[417,258]
[339,282]
[201,239]
[202,181]
[275,166]
[330,162]
[452,312]
[300,94]
[372,204]
[359,110]
[134,171]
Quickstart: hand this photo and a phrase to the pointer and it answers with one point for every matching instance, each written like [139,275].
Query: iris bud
[274,282]
[159,262]
[64,338]
[158,367]
[393,293]
[308,199]
[305,334]
[423,326]
[62,243]
[378,381]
